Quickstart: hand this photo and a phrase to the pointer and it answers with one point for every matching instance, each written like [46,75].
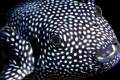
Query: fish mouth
[110,53]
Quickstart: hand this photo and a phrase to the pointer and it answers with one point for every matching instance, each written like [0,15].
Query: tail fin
[21,61]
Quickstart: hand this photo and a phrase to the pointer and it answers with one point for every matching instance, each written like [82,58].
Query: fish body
[58,39]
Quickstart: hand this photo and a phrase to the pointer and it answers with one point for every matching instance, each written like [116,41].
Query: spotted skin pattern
[86,40]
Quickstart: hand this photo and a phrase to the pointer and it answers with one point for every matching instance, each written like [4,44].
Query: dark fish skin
[57,40]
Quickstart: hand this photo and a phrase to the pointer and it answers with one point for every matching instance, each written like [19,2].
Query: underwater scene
[59,40]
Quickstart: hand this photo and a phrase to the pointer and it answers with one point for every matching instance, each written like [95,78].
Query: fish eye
[98,10]
[55,39]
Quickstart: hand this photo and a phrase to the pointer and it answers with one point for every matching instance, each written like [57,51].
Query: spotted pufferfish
[57,40]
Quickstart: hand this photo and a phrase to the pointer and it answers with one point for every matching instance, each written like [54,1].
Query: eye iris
[98,10]
[55,40]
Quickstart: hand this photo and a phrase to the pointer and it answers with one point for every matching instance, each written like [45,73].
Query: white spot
[84,60]
[28,68]
[25,71]
[53,54]
[11,78]
[13,33]
[73,43]
[69,57]
[29,58]
[71,49]
[77,65]
[29,64]
[72,65]
[76,39]
[68,44]
[70,62]
[63,65]
[81,67]
[65,38]
[19,77]
[26,47]
[67,53]
[20,41]
[19,71]
[68,66]
[85,41]
[12,39]
[75,33]
[88,36]
[23,75]
[7,40]
[33,59]
[14,62]
[76,46]
[12,74]
[24,65]
[16,44]
[75,60]
[8,72]
[65,61]
[25,54]
[23,42]
[83,46]
[80,57]
[80,51]
[63,57]
[63,44]
[87,25]
[75,54]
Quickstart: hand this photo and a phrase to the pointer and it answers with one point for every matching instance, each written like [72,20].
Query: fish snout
[110,55]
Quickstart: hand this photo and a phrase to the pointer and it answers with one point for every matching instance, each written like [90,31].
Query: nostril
[95,25]
[81,37]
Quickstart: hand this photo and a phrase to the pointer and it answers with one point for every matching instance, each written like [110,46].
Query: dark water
[111,11]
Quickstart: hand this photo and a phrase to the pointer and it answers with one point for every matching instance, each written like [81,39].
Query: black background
[111,11]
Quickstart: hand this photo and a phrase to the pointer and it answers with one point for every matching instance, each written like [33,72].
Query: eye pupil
[98,10]
[55,39]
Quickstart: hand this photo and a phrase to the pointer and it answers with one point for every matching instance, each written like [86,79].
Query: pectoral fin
[20,53]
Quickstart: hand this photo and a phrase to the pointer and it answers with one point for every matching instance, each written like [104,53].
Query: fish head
[81,41]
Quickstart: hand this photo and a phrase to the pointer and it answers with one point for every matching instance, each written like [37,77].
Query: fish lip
[105,57]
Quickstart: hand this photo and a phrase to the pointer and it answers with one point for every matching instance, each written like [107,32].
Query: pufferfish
[57,40]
